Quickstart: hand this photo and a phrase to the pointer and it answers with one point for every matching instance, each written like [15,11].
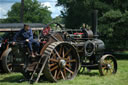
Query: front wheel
[107,65]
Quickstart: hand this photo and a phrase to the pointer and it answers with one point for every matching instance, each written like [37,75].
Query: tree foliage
[33,12]
[112,22]
[58,19]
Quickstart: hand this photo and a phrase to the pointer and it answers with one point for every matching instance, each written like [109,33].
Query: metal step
[38,70]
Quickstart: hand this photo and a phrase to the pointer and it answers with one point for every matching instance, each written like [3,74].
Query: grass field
[92,78]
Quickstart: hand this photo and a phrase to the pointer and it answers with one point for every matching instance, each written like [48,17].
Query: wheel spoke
[68,65]
[105,71]
[110,61]
[63,52]
[64,72]
[112,65]
[54,60]
[110,71]
[67,58]
[52,64]
[62,75]
[54,55]
[54,68]
[57,53]
[58,74]
[55,74]
[60,51]
[69,70]
[106,61]
[68,52]
[71,61]
[104,67]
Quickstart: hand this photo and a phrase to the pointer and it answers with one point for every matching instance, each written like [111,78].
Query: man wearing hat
[26,36]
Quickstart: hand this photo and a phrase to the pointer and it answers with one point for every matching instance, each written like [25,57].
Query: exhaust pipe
[95,22]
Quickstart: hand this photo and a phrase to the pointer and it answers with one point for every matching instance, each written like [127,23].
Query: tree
[113,19]
[79,11]
[113,29]
[59,19]
[33,12]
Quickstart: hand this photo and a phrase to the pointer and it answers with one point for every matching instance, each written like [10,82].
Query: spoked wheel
[63,63]
[7,59]
[107,65]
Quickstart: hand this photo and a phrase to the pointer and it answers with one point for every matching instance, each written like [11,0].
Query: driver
[84,29]
[26,35]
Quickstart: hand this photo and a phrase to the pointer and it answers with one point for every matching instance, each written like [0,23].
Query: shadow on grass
[17,78]
[21,79]
[91,74]
[12,79]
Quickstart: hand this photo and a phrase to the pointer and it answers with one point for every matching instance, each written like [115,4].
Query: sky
[5,5]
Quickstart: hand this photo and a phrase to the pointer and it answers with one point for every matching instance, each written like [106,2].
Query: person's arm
[31,35]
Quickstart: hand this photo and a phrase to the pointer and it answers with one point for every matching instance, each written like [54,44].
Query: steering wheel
[47,28]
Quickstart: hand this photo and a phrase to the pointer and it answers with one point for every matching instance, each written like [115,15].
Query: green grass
[92,78]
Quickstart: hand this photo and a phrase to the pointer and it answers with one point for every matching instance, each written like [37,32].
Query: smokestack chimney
[95,22]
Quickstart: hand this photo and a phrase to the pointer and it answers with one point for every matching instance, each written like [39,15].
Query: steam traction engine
[62,54]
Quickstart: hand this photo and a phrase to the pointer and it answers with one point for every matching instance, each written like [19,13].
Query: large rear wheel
[63,63]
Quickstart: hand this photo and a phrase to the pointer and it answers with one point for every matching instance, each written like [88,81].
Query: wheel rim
[63,62]
[108,65]
[9,61]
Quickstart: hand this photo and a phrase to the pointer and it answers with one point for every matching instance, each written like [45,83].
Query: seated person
[84,30]
[26,35]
